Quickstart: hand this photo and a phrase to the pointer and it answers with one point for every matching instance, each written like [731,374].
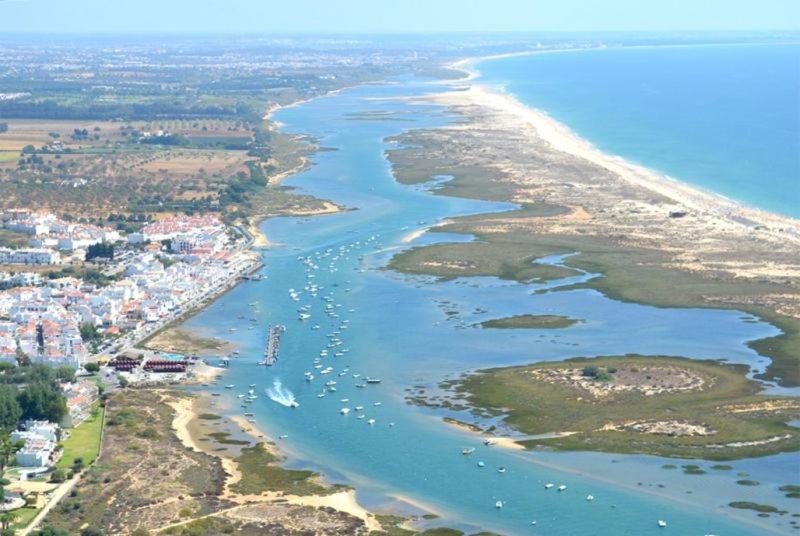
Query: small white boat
[284,436]
[361,416]
[501,470]
[294,404]
[481,464]
[548,485]
[344,400]
[371,421]
[321,395]
[381,403]
[562,487]
[662,523]
[498,504]
[344,411]
[467,452]
[590,498]
[359,408]
[231,386]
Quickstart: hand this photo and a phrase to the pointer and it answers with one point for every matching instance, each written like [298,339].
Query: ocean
[725,118]
[397,330]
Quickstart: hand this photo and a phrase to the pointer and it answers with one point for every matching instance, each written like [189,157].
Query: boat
[294,404]
[467,452]
[321,395]
[360,416]
[381,403]
[284,436]
[562,487]
[371,421]
[481,464]
[230,386]
[391,424]
[662,523]
[590,498]
[248,414]
[548,485]
[373,380]
[498,504]
[502,470]
[344,411]
[489,442]
[304,316]
[239,396]
[359,408]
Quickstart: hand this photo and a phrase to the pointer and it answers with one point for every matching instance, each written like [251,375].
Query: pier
[273,344]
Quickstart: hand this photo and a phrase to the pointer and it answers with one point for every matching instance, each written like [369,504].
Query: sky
[392,16]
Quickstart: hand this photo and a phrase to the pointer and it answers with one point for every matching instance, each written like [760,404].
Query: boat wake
[280,394]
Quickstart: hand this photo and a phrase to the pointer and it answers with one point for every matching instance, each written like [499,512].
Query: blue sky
[379,16]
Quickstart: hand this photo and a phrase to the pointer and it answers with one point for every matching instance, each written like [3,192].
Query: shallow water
[399,332]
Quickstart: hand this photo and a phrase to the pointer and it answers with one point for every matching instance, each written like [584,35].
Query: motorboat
[562,487]
[662,523]
[344,411]
[498,504]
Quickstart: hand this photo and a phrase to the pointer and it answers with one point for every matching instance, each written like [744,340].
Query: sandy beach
[539,160]
[497,441]
[559,137]
[188,409]
[410,237]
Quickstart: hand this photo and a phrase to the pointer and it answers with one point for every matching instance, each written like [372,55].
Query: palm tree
[7,519]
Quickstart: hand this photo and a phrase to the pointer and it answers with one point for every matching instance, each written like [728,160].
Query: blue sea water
[400,332]
[722,117]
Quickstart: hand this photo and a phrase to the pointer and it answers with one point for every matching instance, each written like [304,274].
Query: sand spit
[541,160]
[187,409]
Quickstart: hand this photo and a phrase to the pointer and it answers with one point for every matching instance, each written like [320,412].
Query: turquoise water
[398,331]
[726,118]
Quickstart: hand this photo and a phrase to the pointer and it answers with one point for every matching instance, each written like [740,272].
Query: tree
[93,368]
[49,531]
[58,476]
[42,401]
[89,332]
[103,249]
[10,410]
[65,373]
[28,149]
[7,519]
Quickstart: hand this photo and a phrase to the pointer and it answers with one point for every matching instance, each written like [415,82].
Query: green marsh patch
[666,406]
[531,322]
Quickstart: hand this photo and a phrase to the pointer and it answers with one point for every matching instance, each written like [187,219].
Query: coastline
[561,138]
[189,409]
[658,241]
